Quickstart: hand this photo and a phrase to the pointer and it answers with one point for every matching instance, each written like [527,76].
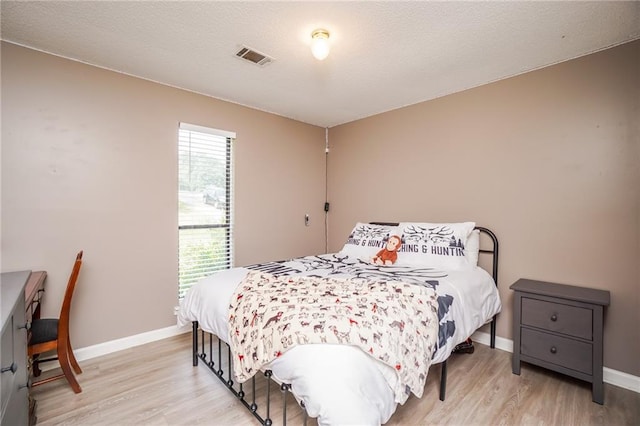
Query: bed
[350,335]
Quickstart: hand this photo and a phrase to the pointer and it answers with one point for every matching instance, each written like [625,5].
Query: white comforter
[341,384]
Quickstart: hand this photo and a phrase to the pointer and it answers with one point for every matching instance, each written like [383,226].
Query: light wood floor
[155,384]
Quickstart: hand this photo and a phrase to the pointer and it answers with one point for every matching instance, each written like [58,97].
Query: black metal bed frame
[238,389]
[494,274]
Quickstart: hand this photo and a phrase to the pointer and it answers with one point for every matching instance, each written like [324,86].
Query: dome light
[320,44]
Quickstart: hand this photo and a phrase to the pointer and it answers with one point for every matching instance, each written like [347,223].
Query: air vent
[253,56]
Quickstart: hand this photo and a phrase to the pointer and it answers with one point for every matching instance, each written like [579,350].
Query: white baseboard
[620,379]
[83,354]
[485,339]
[610,376]
[128,342]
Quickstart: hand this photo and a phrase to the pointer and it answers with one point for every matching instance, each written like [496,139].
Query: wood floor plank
[155,384]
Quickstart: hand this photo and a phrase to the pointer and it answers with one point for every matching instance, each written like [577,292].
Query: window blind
[205,203]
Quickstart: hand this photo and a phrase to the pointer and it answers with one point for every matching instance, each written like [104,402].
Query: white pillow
[366,240]
[472,248]
[437,245]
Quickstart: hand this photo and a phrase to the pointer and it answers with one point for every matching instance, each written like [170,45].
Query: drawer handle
[13,368]
[554,318]
[553,350]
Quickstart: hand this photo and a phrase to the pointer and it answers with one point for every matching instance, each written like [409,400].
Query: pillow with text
[437,245]
[367,241]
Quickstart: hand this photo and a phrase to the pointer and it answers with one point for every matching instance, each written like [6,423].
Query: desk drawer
[557,350]
[7,379]
[557,317]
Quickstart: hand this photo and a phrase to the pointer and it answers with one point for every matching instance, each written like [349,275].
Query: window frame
[227,224]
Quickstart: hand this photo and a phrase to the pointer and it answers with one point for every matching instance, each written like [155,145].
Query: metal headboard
[493,251]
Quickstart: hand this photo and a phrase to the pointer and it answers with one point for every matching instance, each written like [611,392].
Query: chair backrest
[63,322]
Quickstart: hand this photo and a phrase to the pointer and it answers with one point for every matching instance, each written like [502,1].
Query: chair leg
[36,365]
[72,358]
[63,358]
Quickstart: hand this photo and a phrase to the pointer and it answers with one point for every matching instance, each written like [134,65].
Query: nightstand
[559,327]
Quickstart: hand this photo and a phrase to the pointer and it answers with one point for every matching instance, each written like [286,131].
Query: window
[205,203]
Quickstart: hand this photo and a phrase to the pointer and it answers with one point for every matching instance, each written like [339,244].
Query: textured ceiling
[384,55]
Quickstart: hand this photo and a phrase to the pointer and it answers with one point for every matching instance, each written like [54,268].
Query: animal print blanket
[394,322]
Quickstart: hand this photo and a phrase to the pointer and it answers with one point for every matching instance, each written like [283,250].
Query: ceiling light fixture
[320,44]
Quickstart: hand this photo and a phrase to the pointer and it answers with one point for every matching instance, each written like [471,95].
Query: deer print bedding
[478,297]
[394,322]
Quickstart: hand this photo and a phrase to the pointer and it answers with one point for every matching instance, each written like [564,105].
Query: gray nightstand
[559,327]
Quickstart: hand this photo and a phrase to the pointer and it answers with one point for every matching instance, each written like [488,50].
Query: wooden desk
[33,292]
[14,377]
[21,295]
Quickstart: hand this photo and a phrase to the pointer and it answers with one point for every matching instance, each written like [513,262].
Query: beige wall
[89,161]
[549,160]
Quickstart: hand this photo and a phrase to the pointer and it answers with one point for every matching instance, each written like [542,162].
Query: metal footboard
[216,356]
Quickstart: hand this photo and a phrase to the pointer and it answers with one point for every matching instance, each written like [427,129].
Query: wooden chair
[49,334]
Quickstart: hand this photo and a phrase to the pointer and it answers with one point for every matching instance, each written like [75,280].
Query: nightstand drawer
[557,317]
[557,350]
